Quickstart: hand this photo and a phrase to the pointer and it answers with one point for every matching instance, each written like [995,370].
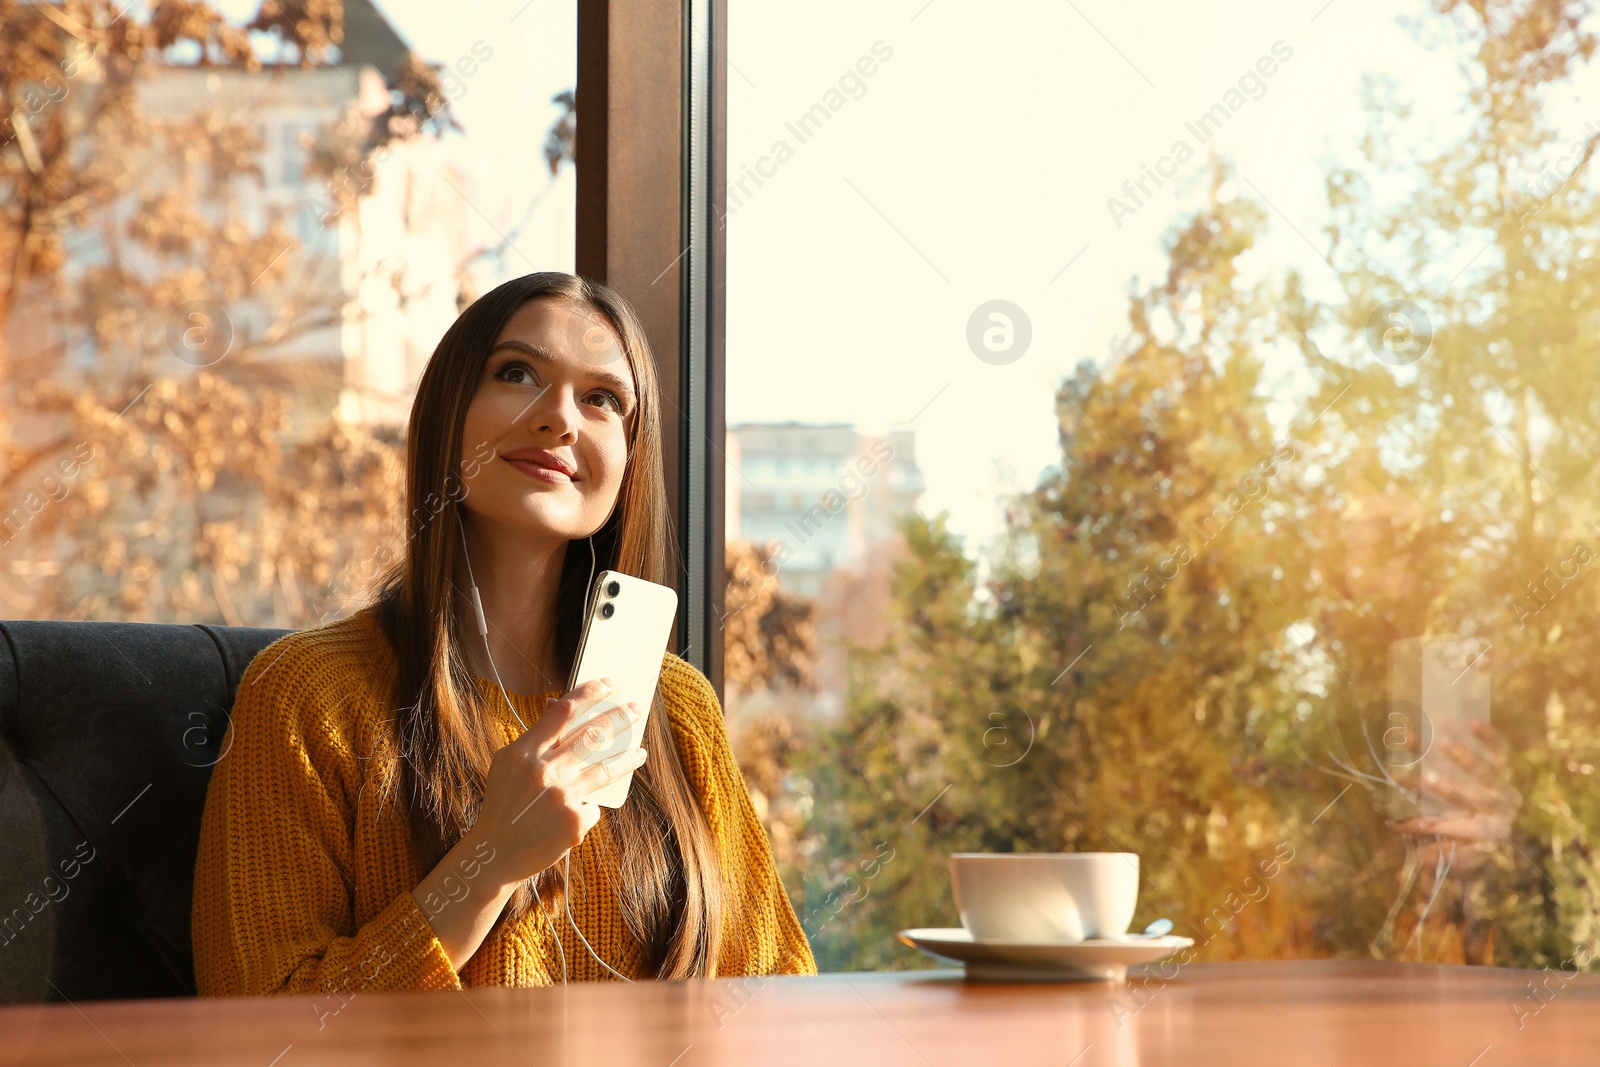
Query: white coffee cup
[1045,896]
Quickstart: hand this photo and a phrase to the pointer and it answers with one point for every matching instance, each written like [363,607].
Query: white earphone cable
[483,621]
[483,631]
[554,934]
[567,899]
[567,869]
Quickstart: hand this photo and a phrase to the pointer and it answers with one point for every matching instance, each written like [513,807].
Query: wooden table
[1237,1014]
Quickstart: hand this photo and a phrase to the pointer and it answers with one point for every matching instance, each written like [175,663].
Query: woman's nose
[557,411]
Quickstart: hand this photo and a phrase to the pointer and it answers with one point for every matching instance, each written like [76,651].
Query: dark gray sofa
[108,733]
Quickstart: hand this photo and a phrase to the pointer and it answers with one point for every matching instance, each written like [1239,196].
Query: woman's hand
[534,809]
[533,812]
[1478,810]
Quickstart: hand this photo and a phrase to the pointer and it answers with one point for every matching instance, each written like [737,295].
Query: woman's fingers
[1498,802]
[1467,794]
[559,714]
[1462,855]
[598,775]
[1492,739]
[1462,826]
[1480,767]
[596,735]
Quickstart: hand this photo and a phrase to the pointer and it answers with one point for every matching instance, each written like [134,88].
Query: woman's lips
[540,473]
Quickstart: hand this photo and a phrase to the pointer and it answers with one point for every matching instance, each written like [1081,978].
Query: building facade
[347,315]
[826,494]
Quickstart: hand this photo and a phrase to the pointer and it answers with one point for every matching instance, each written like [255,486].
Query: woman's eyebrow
[539,352]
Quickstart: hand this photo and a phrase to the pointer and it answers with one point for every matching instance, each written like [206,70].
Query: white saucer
[1096,959]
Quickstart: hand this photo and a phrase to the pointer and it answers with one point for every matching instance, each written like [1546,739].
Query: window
[292,155]
[1220,581]
[263,286]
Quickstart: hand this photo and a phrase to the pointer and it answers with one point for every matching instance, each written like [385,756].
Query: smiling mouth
[540,473]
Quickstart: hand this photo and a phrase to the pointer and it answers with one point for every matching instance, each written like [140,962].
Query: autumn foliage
[1272,483]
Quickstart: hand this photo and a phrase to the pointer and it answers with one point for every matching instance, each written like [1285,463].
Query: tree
[768,636]
[1464,350]
[1120,686]
[1185,645]
[142,488]
[769,644]
[201,502]
[157,204]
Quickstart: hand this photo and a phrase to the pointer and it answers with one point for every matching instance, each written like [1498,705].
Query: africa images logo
[1252,85]
[804,127]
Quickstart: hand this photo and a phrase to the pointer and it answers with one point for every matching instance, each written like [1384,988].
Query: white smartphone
[626,630]
[1446,678]
[1455,693]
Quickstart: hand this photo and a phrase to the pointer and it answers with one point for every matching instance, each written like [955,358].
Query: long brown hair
[669,883]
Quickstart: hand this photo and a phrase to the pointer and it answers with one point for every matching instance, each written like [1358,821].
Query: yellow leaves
[767,635]
[208,504]
[114,554]
[172,21]
[316,24]
[189,594]
[1216,833]
[42,252]
[1030,651]
[143,569]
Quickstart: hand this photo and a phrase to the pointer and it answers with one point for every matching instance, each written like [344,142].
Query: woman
[383,820]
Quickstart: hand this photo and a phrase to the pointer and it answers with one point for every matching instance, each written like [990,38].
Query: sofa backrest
[108,733]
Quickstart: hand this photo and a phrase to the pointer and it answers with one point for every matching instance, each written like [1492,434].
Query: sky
[978,167]
[969,157]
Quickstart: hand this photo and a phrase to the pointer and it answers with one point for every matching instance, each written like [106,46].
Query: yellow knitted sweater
[304,877]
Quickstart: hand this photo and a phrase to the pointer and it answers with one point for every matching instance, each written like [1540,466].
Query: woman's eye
[515,367]
[519,373]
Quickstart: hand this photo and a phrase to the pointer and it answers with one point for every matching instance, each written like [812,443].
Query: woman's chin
[543,523]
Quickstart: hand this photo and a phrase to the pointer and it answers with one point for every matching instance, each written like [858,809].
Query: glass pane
[1170,429]
[225,265]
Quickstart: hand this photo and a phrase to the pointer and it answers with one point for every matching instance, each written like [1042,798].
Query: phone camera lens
[607,610]
[613,588]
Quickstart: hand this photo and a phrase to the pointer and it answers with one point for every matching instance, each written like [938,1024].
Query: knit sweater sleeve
[761,933]
[274,898]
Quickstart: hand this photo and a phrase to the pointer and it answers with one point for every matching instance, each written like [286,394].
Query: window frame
[651,203]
